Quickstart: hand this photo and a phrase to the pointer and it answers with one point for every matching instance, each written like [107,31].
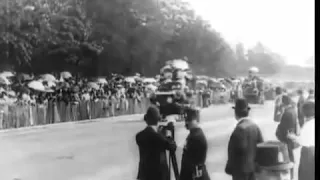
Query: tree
[98,36]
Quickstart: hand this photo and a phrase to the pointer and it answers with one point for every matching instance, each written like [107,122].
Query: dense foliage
[100,36]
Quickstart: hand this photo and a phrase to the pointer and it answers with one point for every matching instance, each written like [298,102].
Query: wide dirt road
[106,149]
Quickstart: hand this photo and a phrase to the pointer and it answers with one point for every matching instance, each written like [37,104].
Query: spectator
[307,141]
[288,124]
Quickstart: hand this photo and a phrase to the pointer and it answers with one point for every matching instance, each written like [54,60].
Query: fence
[16,116]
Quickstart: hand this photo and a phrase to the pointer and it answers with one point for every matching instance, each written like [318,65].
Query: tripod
[173,159]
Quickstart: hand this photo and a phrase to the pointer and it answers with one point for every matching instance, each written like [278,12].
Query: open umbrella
[102,81]
[7,74]
[149,80]
[130,80]
[65,75]
[48,77]
[36,85]
[4,80]
[93,85]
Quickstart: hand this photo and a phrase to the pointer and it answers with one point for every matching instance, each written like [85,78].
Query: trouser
[307,166]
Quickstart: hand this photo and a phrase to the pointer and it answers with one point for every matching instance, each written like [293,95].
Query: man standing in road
[243,144]
[299,107]
[152,149]
[307,142]
[288,124]
[278,111]
[195,151]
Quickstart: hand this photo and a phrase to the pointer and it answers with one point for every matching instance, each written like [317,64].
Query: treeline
[96,37]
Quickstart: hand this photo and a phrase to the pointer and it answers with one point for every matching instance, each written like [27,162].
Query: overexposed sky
[284,26]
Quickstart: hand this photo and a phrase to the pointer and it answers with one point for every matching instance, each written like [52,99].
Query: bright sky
[284,26]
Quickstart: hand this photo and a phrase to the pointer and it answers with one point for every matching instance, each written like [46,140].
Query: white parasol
[4,80]
[48,77]
[51,84]
[130,79]
[66,75]
[7,74]
[102,81]
[149,80]
[36,85]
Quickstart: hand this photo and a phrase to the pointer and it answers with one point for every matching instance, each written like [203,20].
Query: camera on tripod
[167,130]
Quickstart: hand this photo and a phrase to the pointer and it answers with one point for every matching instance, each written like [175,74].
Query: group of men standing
[249,156]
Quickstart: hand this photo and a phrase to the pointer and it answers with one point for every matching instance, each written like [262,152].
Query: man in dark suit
[243,144]
[289,124]
[195,151]
[152,149]
[299,107]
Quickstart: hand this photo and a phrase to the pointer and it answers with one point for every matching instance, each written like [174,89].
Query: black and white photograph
[157,90]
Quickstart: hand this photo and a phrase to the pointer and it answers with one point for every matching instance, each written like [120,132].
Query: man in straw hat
[273,162]
[242,144]
[307,142]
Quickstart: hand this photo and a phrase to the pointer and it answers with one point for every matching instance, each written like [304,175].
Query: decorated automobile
[253,87]
[220,93]
[170,95]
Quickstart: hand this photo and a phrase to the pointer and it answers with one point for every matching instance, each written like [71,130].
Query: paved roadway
[105,149]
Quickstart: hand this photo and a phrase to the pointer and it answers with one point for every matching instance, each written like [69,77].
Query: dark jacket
[242,148]
[300,114]
[152,149]
[194,154]
[289,122]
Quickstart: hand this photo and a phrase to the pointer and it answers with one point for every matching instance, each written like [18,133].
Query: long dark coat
[152,149]
[242,150]
[194,154]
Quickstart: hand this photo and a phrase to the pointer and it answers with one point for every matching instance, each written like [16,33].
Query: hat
[241,105]
[273,155]
[192,114]
[278,90]
[286,99]
[152,116]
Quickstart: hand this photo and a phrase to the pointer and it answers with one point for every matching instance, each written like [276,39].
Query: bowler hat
[241,105]
[273,155]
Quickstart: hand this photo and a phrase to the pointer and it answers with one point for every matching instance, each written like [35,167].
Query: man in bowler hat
[152,145]
[273,161]
[242,144]
[195,150]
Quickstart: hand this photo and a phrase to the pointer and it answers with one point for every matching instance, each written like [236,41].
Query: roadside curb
[115,119]
[132,117]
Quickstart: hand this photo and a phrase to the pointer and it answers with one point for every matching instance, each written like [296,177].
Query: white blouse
[307,134]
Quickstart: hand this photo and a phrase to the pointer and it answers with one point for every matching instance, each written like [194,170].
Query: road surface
[105,149]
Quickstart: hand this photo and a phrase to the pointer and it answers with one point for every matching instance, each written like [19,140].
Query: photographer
[152,149]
